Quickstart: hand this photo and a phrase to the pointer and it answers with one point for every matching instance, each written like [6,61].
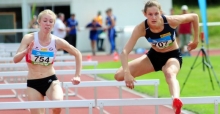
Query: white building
[128,13]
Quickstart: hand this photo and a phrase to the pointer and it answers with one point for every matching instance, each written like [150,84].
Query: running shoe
[177,105]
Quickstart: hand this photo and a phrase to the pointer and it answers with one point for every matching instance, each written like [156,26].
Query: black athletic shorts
[159,59]
[41,85]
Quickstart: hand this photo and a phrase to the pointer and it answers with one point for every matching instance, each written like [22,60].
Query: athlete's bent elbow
[195,16]
[15,60]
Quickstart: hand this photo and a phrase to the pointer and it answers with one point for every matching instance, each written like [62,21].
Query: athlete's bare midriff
[174,46]
[39,71]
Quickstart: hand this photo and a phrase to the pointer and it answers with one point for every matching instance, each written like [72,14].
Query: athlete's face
[153,15]
[46,22]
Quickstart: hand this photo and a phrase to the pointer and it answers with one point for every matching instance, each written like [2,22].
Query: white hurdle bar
[67,85]
[158,101]
[12,52]
[48,104]
[56,64]
[58,58]
[63,72]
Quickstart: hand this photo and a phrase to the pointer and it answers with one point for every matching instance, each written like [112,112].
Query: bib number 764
[41,59]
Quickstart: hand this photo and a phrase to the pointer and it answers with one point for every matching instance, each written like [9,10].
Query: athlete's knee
[119,76]
[55,93]
[57,110]
[58,97]
[169,74]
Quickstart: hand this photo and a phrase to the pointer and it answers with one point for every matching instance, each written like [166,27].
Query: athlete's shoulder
[60,43]
[29,36]
[27,39]
[172,20]
[58,40]
[142,25]
[55,37]
[140,29]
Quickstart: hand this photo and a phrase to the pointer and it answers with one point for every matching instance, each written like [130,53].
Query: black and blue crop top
[162,39]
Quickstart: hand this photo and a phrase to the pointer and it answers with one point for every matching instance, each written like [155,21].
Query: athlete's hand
[192,45]
[76,80]
[129,80]
[29,48]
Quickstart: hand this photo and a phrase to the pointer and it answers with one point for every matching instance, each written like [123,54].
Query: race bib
[42,57]
[162,42]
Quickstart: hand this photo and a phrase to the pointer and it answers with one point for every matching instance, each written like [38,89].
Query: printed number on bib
[41,59]
[163,44]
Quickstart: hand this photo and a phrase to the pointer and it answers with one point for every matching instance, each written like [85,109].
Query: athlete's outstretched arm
[24,47]
[62,44]
[176,20]
[136,34]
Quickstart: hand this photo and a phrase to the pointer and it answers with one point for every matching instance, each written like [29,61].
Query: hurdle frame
[48,104]
[68,85]
[158,101]
[56,64]
[58,58]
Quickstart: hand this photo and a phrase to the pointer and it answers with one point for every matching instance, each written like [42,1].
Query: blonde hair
[151,3]
[46,11]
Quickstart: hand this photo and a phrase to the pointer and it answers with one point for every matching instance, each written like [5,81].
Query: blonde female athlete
[40,51]
[164,54]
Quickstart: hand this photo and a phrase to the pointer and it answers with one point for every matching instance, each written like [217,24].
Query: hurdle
[67,85]
[64,72]
[56,64]
[48,104]
[58,58]
[4,54]
[11,52]
[157,101]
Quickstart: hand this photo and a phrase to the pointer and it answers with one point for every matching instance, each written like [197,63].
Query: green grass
[198,83]
[212,12]
[212,16]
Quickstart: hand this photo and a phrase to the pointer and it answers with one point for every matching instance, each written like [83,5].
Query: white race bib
[42,57]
